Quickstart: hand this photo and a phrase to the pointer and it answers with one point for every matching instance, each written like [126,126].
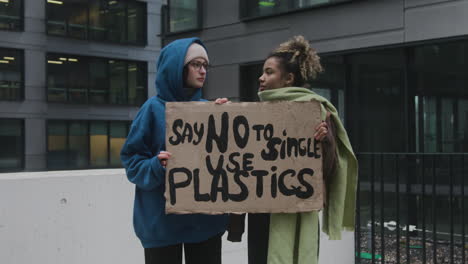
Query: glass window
[136,83]
[118,21]
[183,15]
[265,7]
[118,82]
[136,17]
[97,23]
[98,81]
[57,79]
[67,78]
[249,82]
[462,126]
[78,83]
[438,75]
[79,79]
[331,83]
[11,140]
[11,15]
[85,144]
[57,151]
[108,21]
[11,74]
[118,133]
[377,101]
[258,8]
[78,144]
[67,18]
[99,144]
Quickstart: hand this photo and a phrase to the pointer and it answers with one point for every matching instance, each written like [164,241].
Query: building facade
[396,70]
[72,76]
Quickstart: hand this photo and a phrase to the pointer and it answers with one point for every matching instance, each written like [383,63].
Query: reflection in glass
[118,133]
[183,15]
[11,140]
[249,82]
[255,8]
[462,131]
[11,74]
[67,18]
[118,21]
[331,82]
[85,144]
[136,83]
[440,79]
[57,155]
[429,119]
[377,92]
[98,81]
[78,144]
[67,78]
[98,142]
[118,75]
[79,79]
[11,15]
[136,22]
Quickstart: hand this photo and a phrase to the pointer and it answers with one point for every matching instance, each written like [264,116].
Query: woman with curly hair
[294,238]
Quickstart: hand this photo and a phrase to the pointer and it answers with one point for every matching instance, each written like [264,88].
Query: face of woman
[196,73]
[273,76]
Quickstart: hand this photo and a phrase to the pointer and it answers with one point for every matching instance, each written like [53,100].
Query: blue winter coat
[139,156]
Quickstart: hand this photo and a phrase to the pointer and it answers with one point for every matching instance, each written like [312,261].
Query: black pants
[258,234]
[206,252]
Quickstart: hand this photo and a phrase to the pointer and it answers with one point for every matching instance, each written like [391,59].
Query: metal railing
[411,208]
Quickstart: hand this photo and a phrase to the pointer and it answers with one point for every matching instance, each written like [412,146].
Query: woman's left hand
[321,131]
[221,101]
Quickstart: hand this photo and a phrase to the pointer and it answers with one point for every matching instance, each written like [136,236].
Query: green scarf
[294,237]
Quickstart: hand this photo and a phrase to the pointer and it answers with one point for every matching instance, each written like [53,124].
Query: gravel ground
[416,250]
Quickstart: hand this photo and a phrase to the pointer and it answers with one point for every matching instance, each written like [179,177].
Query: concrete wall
[353,25]
[67,217]
[34,109]
[77,217]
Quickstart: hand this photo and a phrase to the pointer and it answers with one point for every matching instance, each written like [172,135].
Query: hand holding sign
[243,157]
[163,156]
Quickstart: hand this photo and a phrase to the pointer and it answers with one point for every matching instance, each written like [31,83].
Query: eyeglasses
[197,65]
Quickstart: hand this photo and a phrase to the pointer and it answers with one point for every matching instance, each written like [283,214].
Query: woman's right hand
[163,157]
[222,101]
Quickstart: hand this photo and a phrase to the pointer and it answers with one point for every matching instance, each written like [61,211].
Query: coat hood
[170,67]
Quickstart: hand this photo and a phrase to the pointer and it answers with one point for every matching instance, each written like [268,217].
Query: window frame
[21,29]
[23,147]
[67,123]
[243,17]
[166,20]
[22,72]
[88,38]
[88,88]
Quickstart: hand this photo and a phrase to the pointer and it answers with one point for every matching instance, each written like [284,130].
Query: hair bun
[302,54]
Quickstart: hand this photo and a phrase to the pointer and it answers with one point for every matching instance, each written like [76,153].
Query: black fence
[411,208]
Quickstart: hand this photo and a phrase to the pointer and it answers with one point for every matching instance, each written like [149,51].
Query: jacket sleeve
[138,157]
[236,227]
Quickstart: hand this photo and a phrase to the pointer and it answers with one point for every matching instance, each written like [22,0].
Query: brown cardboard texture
[243,157]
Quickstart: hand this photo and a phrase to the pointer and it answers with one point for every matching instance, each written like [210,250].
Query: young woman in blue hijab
[181,73]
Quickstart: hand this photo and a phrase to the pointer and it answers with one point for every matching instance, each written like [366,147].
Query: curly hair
[297,57]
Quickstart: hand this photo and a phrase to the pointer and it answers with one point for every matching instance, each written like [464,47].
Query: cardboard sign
[243,157]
